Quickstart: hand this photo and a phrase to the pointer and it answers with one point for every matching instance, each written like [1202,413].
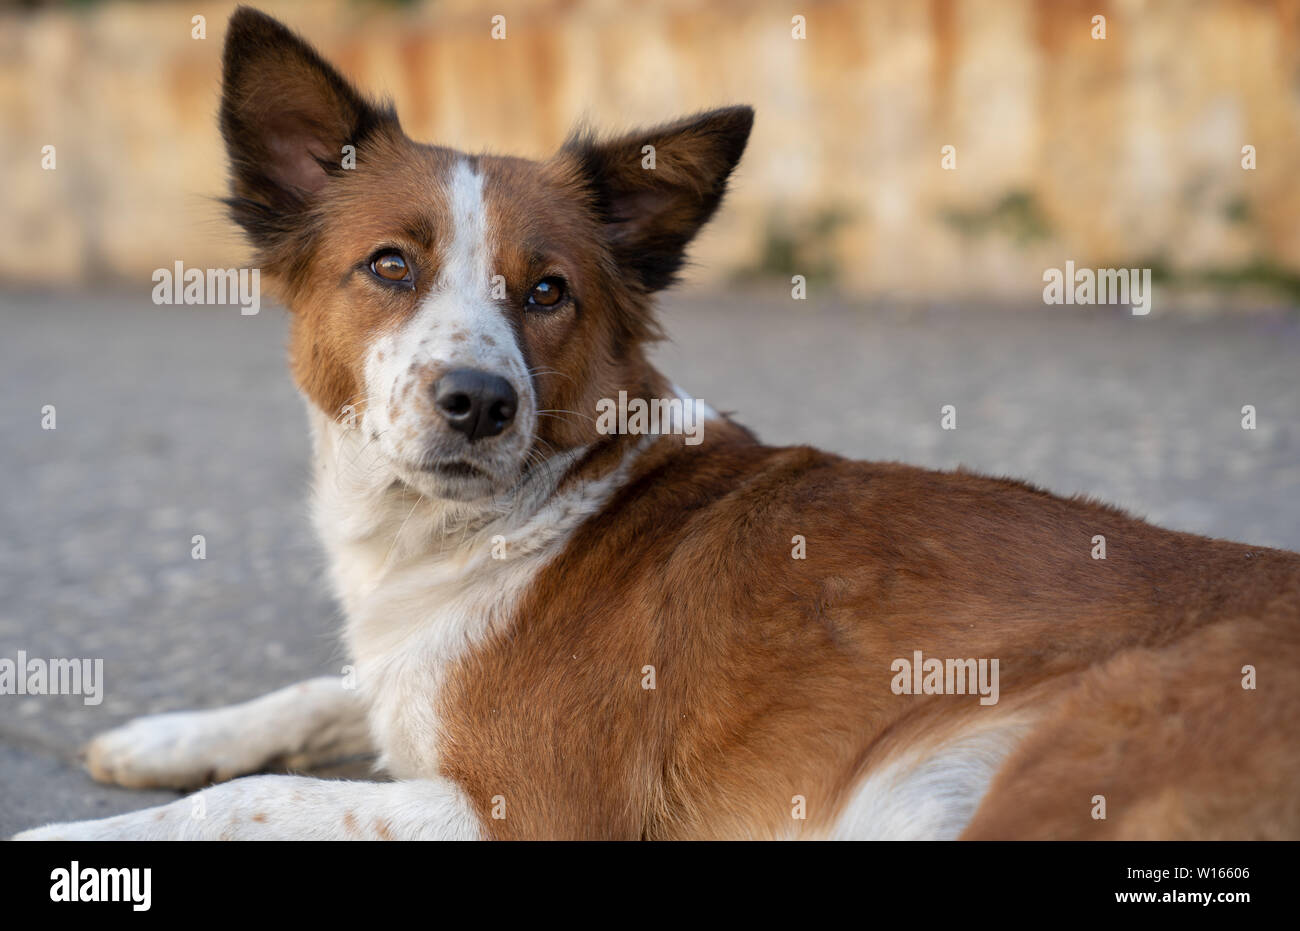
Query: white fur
[457,325]
[419,579]
[312,722]
[291,808]
[928,793]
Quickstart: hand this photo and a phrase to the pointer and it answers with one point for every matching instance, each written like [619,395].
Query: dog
[563,629]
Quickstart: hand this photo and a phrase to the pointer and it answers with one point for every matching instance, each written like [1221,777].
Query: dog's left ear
[655,188]
[286,115]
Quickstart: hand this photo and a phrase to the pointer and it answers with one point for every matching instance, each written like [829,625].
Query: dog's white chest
[425,582]
[408,634]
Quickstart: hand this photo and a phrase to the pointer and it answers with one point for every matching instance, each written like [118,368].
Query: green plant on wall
[1259,274]
[798,246]
[1016,215]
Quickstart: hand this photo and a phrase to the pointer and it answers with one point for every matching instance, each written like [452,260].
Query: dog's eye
[546,293]
[390,266]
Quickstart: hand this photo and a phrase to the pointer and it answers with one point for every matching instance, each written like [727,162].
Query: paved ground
[174,422]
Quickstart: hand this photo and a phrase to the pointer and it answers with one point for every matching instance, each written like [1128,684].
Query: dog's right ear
[285,115]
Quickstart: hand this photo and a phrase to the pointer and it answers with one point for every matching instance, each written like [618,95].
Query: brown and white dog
[561,631]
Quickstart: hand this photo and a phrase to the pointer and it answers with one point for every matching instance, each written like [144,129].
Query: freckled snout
[475,403]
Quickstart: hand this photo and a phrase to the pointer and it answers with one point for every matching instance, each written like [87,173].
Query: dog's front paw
[70,830]
[256,808]
[49,832]
[182,750]
[66,831]
[183,819]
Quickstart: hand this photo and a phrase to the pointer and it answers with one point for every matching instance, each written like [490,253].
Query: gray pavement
[180,421]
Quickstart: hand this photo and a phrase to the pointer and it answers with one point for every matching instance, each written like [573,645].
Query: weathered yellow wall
[1105,152]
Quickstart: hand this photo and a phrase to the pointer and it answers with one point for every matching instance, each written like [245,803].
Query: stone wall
[1118,151]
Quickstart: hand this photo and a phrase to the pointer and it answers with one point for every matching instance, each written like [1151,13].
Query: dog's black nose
[478,404]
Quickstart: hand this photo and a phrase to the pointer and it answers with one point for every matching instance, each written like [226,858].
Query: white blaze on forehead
[458,322]
[466,263]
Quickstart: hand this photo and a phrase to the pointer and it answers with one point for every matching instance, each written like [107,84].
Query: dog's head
[466,312]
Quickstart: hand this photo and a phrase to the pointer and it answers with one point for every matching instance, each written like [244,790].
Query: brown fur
[773,673]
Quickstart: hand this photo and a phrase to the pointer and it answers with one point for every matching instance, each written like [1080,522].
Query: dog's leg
[313,722]
[292,808]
